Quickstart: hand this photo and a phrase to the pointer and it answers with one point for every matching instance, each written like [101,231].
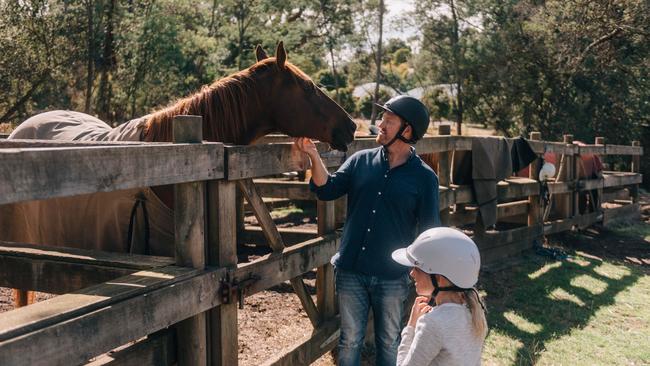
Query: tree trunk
[241,14]
[240,47]
[375,98]
[214,9]
[334,74]
[108,63]
[90,56]
[21,102]
[455,44]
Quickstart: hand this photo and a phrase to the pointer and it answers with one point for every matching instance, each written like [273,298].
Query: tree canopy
[553,66]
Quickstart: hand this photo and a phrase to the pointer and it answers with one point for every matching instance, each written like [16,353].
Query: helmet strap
[437,289]
[398,136]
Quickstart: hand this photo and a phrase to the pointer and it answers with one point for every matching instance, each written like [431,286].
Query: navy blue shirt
[387,209]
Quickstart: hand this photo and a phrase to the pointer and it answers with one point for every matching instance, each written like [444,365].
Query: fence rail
[160,310]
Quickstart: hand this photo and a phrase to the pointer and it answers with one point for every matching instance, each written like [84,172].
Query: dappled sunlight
[544,270]
[522,323]
[562,294]
[570,306]
[611,271]
[590,256]
[153,275]
[579,261]
[590,284]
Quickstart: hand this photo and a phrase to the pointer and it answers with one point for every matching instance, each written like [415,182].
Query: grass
[286,212]
[585,310]
[636,231]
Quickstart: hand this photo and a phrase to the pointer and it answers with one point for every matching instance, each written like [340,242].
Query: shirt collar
[384,154]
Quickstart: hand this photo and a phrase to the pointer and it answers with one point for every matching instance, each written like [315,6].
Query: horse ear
[280,55]
[260,54]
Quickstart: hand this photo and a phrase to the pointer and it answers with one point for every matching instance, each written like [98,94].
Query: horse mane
[227,106]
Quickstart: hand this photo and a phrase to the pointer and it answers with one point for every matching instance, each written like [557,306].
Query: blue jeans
[356,294]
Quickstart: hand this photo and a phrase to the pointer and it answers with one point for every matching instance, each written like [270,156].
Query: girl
[445,269]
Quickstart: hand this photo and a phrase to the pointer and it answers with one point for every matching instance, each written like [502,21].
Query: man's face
[388,127]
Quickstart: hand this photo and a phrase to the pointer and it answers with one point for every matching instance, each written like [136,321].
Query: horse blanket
[132,220]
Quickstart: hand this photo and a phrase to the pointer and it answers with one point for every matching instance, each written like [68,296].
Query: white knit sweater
[443,336]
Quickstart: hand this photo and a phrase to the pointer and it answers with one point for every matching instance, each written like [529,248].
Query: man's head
[411,115]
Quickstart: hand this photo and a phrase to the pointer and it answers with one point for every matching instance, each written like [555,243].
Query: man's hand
[420,307]
[318,170]
[306,145]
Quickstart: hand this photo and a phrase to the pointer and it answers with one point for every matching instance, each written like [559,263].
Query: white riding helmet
[446,252]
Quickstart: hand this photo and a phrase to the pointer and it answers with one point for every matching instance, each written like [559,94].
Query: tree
[562,67]
[336,25]
[380,11]
[448,27]
[40,43]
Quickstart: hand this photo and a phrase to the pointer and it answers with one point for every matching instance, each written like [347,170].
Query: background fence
[158,310]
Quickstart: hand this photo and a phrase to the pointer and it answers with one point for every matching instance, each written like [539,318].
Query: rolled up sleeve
[338,183]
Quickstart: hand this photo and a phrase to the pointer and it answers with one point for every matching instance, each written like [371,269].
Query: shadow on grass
[539,301]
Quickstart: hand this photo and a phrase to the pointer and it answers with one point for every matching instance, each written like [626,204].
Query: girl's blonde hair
[478,313]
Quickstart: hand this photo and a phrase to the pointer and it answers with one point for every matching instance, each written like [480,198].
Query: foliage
[345,99]
[325,79]
[579,67]
[439,103]
[365,104]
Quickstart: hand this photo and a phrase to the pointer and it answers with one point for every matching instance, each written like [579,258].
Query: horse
[589,166]
[272,95]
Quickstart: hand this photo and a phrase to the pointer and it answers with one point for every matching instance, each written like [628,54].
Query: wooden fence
[156,310]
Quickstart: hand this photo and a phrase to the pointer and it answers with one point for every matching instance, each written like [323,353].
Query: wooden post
[599,192]
[577,160]
[534,207]
[240,212]
[189,233]
[23,297]
[443,172]
[325,295]
[222,252]
[277,244]
[636,168]
[565,201]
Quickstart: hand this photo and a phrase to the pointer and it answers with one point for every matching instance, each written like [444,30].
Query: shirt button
[368,229]
[363,248]
[385,175]
[379,193]
[373,211]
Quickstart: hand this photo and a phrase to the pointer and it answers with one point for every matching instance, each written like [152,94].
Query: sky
[396,8]
[393,27]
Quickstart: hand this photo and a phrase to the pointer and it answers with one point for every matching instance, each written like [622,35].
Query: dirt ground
[273,320]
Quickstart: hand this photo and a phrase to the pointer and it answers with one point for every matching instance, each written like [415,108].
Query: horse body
[270,96]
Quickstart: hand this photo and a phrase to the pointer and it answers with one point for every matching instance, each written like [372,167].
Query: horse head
[296,106]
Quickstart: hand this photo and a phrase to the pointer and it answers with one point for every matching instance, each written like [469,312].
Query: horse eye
[309,87]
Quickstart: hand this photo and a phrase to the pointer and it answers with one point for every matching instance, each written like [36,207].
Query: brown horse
[271,96]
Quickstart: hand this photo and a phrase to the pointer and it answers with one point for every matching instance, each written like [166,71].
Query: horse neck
[231,108]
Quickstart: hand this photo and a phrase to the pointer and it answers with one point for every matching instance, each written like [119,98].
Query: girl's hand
[420,307]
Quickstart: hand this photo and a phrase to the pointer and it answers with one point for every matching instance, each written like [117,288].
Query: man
[392,197]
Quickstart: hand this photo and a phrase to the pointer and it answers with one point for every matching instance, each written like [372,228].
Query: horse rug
[133,220]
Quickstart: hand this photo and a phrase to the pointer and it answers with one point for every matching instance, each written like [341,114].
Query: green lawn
[590,309]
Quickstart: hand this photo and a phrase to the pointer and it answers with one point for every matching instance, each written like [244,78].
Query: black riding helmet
[412,112]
